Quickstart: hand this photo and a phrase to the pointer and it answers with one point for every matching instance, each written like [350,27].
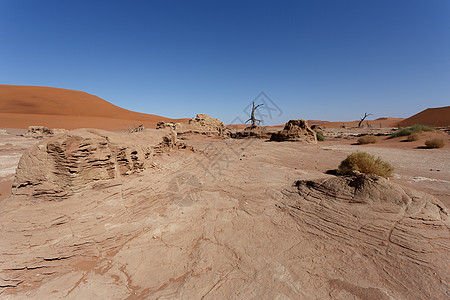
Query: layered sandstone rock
[201,124]
[295,130]
[62,164]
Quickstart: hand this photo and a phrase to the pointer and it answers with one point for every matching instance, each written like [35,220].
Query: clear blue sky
[329,60]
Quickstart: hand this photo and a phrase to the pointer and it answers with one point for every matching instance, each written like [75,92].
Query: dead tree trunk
[363,118]
[252,118]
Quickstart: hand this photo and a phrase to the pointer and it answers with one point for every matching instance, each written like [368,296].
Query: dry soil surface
[235,219]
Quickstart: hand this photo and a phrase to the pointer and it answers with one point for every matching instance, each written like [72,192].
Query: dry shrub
[365,163]
[320,136]
[413,137]
[367,139]
[434,143]
[410,130]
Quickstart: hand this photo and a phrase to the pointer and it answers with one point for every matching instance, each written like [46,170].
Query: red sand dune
[22,106]
[437,117]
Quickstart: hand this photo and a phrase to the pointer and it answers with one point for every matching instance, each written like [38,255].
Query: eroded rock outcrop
[42,131]
[295,130]
[253,131]
[201,124]
[65,163]
[406,232]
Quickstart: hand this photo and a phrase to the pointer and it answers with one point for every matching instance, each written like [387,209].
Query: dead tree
[252,118]
[363,118]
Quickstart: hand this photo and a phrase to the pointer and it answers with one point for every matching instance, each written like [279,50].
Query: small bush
[367,139]
[320,136]
[410,130]
[434,143]
[413,137]
[365,163]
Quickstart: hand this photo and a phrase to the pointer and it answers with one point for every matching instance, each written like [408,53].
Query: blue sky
[326,59]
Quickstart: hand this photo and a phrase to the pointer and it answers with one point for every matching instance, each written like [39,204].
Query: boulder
[295,130]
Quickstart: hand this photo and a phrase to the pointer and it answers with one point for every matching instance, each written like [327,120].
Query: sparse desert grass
[365,163]
[410,130]
[413,137]
[320,136]
[367,139]
[434,143]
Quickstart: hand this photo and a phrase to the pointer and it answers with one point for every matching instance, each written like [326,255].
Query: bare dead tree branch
[252,118]
[363,118]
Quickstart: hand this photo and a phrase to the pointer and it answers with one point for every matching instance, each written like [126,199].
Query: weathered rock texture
[41,131]
[250,230]
[38,130]
[403,231]
[295,130]
[253,131]
[201,124]
[170,125]
[60,165]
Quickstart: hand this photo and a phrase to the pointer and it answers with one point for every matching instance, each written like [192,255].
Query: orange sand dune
[22,106]
[437,117]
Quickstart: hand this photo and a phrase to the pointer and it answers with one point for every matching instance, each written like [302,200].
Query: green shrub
[434,143]
[413,137]
[365,163]
[367,139]
[320,136]
[410,130]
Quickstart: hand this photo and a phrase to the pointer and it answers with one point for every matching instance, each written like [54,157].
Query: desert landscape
[193,209]
[225,150]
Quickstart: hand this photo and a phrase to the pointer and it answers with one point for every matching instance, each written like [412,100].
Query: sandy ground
[437,117]
[415,166]
[216,223]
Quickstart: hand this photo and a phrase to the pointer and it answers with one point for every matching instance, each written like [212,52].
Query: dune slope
[437,117]
[21,106]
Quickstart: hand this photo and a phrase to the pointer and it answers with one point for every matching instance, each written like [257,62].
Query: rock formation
[201,124]
[170,125]
[295,130]
[59,165]
[403,231]
[38,131]
[252,131]
[42,131]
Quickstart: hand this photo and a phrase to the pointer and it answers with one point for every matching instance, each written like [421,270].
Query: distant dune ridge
[437,117]
[22,106]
